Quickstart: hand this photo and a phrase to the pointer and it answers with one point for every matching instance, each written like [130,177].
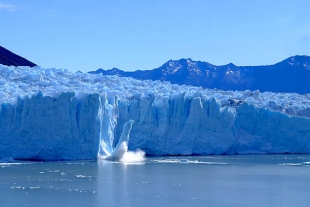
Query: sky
[85,35]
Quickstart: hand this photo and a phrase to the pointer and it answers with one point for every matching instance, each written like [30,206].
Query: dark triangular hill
[9,58]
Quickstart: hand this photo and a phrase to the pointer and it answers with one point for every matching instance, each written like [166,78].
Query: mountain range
[289,75]
[9,58]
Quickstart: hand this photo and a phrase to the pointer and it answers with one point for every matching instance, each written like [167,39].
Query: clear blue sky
[143,34]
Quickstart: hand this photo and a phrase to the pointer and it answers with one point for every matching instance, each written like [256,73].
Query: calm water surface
[251,180]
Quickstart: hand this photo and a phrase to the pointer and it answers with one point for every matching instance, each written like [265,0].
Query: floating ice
[187,161]
[53,114]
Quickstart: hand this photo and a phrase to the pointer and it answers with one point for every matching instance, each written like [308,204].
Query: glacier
[54,114]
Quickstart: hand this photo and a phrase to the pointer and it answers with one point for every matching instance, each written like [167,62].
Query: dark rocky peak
[9,58]
[296,61]
[231,65]
[114,70]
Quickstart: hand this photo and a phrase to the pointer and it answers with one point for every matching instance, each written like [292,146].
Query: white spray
[121,153]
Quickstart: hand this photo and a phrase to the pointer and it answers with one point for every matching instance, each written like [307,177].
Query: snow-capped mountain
[9,58]
[290,75]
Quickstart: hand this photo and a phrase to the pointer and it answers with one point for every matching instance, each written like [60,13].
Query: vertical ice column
[122,145]
[108,116]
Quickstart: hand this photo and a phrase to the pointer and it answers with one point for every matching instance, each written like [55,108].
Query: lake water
[241,180]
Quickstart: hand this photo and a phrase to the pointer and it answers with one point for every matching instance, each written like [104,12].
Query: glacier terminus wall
[53,114]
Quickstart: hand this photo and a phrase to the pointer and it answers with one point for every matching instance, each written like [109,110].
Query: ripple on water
[187,161]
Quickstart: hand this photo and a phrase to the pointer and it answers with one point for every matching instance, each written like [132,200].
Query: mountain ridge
[290,75]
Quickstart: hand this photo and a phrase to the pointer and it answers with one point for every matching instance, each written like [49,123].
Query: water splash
[133,156]
[120,152]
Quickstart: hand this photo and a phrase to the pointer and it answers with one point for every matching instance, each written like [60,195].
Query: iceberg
[54,114]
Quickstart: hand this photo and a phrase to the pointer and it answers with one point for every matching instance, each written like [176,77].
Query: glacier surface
[54,114]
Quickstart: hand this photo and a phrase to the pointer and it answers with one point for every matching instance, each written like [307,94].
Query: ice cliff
[53,114]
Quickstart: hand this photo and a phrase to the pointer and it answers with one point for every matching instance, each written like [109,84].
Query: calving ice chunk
[53,114]
[122,146]
[120,151]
